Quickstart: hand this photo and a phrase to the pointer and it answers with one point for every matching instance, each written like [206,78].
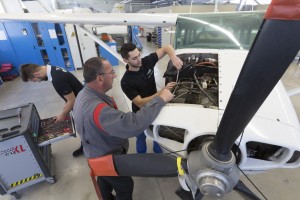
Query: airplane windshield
[217,30]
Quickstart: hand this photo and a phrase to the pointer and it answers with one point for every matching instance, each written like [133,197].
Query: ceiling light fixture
[155,2]
[125,1]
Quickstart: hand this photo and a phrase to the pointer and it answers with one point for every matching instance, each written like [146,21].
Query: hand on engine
[166,95]
[170,86]
[177,62]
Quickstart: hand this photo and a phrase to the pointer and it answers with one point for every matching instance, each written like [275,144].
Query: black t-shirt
[140,82]
[65,82]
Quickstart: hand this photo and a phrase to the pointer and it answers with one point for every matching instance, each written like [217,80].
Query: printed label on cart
[25,180]
[12,150]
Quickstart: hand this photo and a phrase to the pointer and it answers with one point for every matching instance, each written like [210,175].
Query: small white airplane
[230,107]
[213,48]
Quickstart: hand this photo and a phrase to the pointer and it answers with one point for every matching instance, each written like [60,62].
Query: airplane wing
[81,19]
[158,19]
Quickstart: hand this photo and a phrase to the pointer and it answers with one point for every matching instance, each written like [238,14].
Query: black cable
[171,152]
[245,174]
[252,183]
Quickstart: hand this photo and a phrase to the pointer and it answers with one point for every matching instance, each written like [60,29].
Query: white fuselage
[275,123]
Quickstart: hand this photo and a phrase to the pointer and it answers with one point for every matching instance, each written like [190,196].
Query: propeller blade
[142,165]
[146,165]
[244,191]
[274,48]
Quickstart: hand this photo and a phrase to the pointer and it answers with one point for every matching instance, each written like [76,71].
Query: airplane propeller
[274,48]
[213,169]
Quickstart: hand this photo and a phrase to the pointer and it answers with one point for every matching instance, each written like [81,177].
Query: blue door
[23,42]
[7,53]
[60,45]
[44,43]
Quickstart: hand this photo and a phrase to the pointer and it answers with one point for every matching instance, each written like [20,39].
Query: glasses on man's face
[112,72]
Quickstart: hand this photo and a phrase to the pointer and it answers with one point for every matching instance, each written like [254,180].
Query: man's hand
[170,86]
[59,118]
[166,95]
[168,49]
[177,62]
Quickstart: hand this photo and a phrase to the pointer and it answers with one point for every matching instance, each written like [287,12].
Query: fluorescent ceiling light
[125,1]
[157,1]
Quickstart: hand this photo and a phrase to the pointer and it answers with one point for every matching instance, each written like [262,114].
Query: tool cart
[25,147]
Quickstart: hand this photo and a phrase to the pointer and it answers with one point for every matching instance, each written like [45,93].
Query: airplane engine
[197,82]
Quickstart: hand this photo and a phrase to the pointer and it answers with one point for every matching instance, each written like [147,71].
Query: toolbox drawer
[25,119]
[51,132]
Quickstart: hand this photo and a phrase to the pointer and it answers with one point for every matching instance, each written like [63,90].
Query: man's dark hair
[92,68]
[126,48]
[27,71]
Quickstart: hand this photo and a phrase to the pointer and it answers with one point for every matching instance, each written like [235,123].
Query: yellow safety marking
[25,180]
[179,167]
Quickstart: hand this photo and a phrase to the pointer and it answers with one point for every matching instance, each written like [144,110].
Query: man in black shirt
[138,82]
[64,82]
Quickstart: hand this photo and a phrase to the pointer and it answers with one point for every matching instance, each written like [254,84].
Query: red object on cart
[7,72]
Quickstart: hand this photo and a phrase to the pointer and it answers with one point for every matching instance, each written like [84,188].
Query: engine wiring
[202,90]
[190,89]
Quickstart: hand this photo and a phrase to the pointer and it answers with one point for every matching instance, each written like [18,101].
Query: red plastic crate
[7,72]
[6,67]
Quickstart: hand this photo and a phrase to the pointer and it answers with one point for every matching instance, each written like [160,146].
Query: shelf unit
[62,46]
[37,30]
[156,37]
[53,44]
[159,37]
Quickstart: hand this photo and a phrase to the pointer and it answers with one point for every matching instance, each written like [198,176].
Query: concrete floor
[73,181]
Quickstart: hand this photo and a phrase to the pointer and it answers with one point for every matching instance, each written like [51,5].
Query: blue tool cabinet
[39,43]
[23,44]
[53,44]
